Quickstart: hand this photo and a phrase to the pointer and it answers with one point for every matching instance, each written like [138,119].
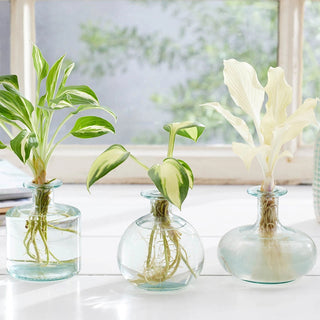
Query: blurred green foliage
[208,32]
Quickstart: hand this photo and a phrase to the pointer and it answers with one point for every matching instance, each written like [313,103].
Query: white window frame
[211,164]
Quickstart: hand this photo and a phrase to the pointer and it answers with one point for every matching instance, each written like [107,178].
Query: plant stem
[139,162]
[172,137]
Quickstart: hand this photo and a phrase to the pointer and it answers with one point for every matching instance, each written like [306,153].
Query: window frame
[211,164]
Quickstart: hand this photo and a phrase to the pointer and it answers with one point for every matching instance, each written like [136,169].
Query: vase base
[265,282]
[40,272]
[166,286]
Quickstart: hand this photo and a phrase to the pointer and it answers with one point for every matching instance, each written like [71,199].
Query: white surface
[99,292]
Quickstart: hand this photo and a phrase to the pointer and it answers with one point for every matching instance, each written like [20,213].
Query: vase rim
[52,185]
[276,192]
[152,194]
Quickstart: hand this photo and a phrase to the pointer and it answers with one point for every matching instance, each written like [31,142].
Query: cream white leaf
[236,122]
[244,87]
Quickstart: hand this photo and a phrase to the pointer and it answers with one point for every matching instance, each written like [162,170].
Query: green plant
[173,178]
[34,145]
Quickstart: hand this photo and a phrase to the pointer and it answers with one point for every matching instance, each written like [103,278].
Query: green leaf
[10,80]
[66,75]
[188,129]
[15,107]
[90,106]
[40,64]
[188,172]
[106,162]
[53,78]
[76,95]
[2,145]
[23,143]
[90,127]
[171,179]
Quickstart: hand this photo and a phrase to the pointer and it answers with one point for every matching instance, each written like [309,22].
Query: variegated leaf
[23,143]
[106,162]
[236,122]
[76,95]
[66,75]
[171,180]
[40,64]
[244,87]
[95,107]
[52,79]
[10,81]
[188,129]
[91,127]
[188,172]
[2,145]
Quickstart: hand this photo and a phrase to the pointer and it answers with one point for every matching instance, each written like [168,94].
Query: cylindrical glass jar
[160,251]
[43,238]
[267,252]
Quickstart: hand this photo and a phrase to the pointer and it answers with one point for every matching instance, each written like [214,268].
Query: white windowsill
[99,292]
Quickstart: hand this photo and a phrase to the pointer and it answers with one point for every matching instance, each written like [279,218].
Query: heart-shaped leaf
[91,127]
[171,179]
[188,172]
[188,129]
[23,143]
[2,145]
[106,162]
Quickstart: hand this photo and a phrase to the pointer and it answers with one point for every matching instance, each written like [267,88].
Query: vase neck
[160,207]
[268,202]
[42,196]
[268,219]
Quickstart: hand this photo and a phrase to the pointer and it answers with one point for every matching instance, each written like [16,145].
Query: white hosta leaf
[52,79]
[171,180]
[244,87]
[245,152]
[106,162]
[40,64]
[188,172]
[279,97]
[10,81]
[236,122]
[67,73]
[188,129]
[22,144]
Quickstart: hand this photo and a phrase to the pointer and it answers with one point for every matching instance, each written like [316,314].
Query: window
[156,61]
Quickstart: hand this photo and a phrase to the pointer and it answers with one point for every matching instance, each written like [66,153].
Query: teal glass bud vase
[160,251]
[43,238]
[267,252]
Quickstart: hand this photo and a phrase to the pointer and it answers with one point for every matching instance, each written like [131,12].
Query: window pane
[156,61]
[4,37]
[4,48]
[311,60]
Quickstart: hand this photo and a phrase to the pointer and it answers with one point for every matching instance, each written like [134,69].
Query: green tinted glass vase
[267,252]
[43,238]
[160,251]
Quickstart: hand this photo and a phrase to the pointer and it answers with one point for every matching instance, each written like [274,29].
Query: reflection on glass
[157,61]
[311,60]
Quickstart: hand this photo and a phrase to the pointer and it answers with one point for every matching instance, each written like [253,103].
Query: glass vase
[316,177]
[267,252]
[43,237]
[160,251]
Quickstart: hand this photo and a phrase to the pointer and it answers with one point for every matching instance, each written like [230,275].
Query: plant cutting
[31,229]
[159,251]
[266,252]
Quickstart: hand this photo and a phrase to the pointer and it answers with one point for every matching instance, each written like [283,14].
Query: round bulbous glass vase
[267,252]
[43,237]
[160,251]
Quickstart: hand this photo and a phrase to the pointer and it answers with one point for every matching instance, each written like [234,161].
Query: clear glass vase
[43,238]
[316,177]
[267,252]
[160,251]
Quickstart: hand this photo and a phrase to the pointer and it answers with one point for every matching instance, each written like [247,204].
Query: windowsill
[100,292]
